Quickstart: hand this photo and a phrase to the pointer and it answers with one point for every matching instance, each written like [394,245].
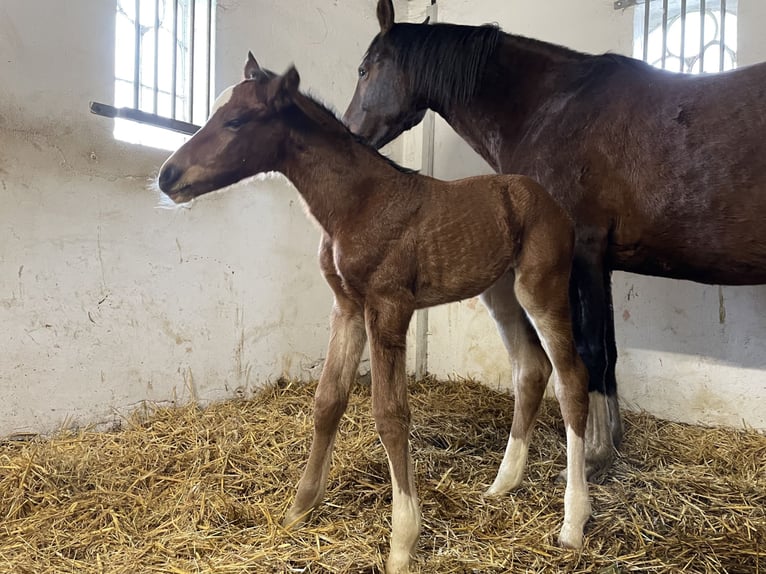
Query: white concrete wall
[678,358]
[105,300]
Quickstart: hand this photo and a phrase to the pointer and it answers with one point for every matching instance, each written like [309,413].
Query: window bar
[155,85]
[174,63]
[683,36]
[647,10]
[723,35]
[209,63]
[703,14]
[664,31]
[137,61]
[191,64]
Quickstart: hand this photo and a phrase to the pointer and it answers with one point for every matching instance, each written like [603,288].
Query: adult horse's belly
[734,256]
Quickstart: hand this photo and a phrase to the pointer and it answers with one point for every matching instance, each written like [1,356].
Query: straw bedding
[204,490]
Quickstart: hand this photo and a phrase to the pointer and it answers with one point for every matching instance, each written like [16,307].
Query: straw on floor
[204,490]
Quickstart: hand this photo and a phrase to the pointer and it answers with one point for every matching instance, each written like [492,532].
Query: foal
[395,241]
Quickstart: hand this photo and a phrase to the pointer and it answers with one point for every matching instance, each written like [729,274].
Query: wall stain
[721,306]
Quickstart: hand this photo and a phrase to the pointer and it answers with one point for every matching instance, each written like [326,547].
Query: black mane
[325,117]
[449,58]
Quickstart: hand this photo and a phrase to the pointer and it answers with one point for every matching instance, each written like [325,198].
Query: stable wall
[107,301]
[687,351]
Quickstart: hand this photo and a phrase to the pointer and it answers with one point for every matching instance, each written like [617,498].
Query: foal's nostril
[169,175]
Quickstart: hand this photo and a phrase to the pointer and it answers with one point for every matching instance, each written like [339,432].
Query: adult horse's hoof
[595,469]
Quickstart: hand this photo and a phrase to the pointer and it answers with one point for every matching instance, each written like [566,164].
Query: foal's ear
[252,69]
[282,89]
[385,15]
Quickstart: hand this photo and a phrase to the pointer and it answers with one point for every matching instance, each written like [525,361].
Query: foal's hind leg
[531,370]
[543,293]
[347,340]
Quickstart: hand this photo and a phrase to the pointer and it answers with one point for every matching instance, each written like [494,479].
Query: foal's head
[244,135]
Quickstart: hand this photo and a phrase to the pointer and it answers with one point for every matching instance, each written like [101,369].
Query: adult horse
[394,241]
[664,174]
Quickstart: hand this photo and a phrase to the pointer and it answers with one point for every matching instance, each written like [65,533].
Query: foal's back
[471,231]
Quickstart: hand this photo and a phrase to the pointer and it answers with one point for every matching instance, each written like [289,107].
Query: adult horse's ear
[426,21]
[252,69]
[282,89]
[385,15]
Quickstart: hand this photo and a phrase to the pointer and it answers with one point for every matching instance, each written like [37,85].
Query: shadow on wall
[725,323]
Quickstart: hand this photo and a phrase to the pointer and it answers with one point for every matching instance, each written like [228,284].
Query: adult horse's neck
[334,172]
[519,76]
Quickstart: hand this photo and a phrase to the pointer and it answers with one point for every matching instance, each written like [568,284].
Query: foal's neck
[336,174]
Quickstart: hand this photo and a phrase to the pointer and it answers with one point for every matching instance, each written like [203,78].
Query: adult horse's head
[384,104]
[242,137]
[409,68]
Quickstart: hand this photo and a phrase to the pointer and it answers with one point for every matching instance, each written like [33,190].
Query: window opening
[163,70]
[689,36]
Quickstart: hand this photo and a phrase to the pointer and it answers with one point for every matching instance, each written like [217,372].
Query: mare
[664,174]
[393,241]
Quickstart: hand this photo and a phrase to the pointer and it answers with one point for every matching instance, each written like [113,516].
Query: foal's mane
[444,60]
[322,117]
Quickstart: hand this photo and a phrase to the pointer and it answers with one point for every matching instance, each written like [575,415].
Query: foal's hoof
[295,518]
[570,538]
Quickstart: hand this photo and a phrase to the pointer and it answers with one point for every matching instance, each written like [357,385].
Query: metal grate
[163,63]
[689,36]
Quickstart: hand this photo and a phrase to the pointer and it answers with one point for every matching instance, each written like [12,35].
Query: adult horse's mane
[309,109]
[449,57]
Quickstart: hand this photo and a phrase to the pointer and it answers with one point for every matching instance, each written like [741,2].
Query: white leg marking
[405,526]
[598,435]
[511,471]
[576,499]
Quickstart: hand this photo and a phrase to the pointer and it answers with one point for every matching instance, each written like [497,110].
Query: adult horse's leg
[347,340]
[543,296]
[387,320]
[615,418]
[590,312]
[531,370]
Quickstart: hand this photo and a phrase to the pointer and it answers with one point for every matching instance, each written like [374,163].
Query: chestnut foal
[395,241]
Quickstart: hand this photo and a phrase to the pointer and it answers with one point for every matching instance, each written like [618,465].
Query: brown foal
[394,241]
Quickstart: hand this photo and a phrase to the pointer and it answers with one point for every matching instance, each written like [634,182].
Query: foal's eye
[362,72]
[235,123]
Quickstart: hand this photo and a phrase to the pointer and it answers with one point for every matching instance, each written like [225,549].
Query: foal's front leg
[387,322]
[347,340]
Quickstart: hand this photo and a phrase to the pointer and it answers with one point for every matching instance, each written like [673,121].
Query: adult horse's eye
[235,123]
[362,72]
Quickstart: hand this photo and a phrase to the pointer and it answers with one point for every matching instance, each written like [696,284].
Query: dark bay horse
[394,241]
[664,174]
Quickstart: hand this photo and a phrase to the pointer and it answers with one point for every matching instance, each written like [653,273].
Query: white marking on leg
[405,525]
[576,499]
[511,471]
[598,434]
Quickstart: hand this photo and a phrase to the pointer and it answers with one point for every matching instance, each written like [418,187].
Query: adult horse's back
[664,174]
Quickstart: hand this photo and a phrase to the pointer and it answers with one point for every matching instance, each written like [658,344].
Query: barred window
[689,36]
[163,70]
